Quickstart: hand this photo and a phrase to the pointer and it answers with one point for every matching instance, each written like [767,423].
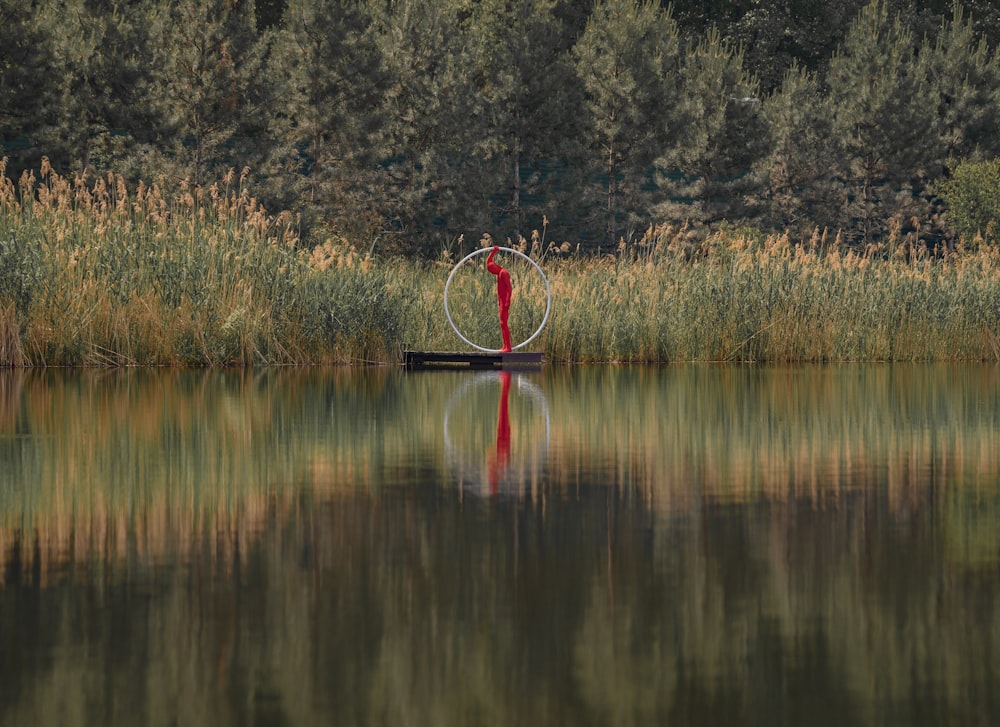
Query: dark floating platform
[465,359]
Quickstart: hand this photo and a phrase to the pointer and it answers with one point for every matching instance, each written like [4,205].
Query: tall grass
[92,273]
[743,296]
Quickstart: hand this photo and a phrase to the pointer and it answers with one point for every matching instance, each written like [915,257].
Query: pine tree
[24,73]
[776,35]
[628,61]
[985,17]
[800,166]
[325,70]
[88,85]
[522,110]
[884,115]
[205,88]
[963,74]
[423,193]
[712,164]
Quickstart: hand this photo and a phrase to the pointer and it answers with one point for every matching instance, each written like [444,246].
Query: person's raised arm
[492,267]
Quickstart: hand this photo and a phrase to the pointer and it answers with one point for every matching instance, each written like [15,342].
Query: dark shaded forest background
[406,125]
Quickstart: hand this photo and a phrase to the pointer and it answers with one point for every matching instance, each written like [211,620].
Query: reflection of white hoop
[548,298]
[529,390]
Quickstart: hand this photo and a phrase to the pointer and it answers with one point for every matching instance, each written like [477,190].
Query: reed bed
[94,274]
[743,296]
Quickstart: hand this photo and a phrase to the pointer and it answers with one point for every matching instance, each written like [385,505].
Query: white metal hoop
[548,298]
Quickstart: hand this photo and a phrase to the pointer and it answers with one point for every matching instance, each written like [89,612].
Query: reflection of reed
[107,462]
[739,434]
[156,465]
[10,400]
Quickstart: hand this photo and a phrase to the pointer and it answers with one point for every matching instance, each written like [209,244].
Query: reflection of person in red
[499,465]
[504,290]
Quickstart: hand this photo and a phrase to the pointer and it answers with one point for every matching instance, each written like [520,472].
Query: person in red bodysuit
[504,290]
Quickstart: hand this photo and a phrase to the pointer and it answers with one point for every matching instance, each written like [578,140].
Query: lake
[573,546]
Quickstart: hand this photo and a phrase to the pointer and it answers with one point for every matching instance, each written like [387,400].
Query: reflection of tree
[379,607]
[709,546]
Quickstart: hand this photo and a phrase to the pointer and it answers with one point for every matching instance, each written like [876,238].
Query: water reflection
[682,545]
[501,458]
[481,456]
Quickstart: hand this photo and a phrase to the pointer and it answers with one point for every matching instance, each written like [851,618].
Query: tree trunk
[612,230]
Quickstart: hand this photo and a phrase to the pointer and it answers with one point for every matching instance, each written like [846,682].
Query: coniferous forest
[406,125]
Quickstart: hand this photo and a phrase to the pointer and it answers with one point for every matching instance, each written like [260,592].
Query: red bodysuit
[504,290]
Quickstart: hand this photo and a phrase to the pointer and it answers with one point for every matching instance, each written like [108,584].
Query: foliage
[519,120]
[972,194]
[425,172]
[90,88]
[628,61]
[963,75]
[778,35]
[23,68]
[326,79]
[798,168]
[409,125]
[879,99]
[722,141]
[205,88]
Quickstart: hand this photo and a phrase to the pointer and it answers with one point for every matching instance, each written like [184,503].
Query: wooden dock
[472,360]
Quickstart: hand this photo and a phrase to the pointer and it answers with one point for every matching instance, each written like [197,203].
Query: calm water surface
[589,546]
